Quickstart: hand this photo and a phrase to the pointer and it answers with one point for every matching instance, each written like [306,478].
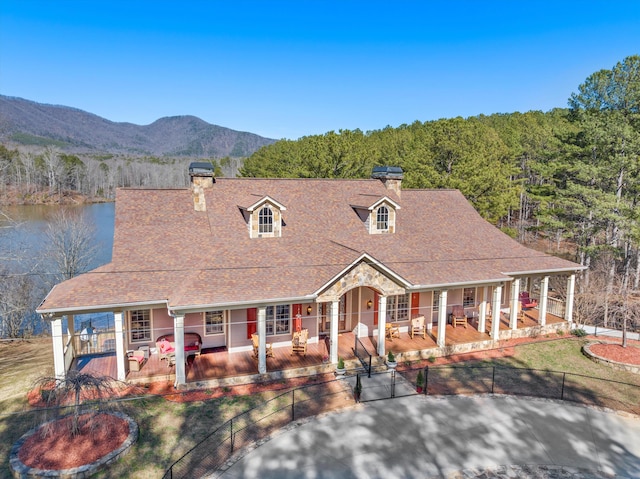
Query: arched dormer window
[382,219]
[265,220]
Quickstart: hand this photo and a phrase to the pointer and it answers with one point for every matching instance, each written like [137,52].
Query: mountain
[26,122]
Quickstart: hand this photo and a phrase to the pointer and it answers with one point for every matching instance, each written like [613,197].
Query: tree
[71,246]
[76,388]
[607,106]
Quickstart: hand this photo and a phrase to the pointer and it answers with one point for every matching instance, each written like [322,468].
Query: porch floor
[219,364]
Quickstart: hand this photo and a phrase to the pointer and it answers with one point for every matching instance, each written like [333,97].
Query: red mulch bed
[615,352]
[60,450]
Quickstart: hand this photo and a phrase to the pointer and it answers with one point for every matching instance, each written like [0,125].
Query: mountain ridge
[26,122]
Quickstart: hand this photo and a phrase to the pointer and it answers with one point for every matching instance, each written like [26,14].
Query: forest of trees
[567,180]
[569,177]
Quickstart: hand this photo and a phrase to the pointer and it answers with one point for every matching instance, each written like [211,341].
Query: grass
[168,429]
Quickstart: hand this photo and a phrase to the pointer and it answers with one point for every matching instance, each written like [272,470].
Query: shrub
[420,379]
[579,332]
[391,358]
[432,359]
[340,363]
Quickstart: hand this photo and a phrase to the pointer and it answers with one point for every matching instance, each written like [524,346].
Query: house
[230,257]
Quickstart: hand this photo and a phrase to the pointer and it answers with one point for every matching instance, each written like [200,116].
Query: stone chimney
[391,177]
[201,174]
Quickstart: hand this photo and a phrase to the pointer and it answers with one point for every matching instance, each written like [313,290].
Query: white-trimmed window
[265,220]
[140,325]
[278,319]
[382,219]
[213,322]
[398,307]
[469,297]
[436,301]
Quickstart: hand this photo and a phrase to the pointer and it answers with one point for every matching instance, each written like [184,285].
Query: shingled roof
[166,252]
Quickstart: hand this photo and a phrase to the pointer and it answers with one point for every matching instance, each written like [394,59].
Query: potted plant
[391,361]
[340,370]
[357,390]
[420,382]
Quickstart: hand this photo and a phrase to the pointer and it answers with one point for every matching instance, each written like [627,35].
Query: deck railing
[556,307]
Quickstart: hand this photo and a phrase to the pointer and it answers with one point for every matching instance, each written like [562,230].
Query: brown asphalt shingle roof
[164,250]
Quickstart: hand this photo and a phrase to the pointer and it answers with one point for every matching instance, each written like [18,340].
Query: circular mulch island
[100,441]
[613,354]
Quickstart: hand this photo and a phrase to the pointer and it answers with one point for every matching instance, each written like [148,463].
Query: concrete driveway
[445,437]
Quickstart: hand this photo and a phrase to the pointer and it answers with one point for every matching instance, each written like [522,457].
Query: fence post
[293,405]
[426,380]
[562,391]
[370,365]
[232,438]
[393,383]
[493,378]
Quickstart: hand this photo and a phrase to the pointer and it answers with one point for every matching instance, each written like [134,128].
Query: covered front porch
[219,367]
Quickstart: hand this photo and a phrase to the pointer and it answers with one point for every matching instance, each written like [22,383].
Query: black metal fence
[257,423]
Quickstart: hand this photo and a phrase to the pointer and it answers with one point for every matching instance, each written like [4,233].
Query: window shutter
[376,297]
[252,321]
[415,304]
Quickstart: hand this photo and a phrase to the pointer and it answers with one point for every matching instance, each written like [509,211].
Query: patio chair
[526,301]
[136,360]
[418,327]
[458,317]
[391,331]
[299,341]
[255,339]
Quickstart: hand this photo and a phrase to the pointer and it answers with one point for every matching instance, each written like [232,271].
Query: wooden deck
[220,364]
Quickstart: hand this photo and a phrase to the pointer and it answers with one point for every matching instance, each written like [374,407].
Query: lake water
[27,231]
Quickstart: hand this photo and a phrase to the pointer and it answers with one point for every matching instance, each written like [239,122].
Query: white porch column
[58,349]
[544,292]
[178,336]
[442,318]
[120,352]
[382,323]
[568,309]
[495,312]
[515,298]
[335,309]
[482,320]
[262,340]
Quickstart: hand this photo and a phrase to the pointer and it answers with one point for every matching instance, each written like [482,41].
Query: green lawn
[168,429]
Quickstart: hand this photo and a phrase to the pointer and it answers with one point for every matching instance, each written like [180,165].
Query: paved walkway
[451,437]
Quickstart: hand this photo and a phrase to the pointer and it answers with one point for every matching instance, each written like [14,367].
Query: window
[398,307]
[278,319]
[265,220]
[436,301]
[382,219]
[214,322]
[469,297]
[140,325]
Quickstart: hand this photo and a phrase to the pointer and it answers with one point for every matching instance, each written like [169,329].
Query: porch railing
[363,355]
[556,307]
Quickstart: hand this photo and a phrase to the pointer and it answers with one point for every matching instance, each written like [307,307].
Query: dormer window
[382,219]
[379,216]
[264,217]
[265,220]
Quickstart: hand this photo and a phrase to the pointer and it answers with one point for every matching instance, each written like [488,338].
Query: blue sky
[286,69]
